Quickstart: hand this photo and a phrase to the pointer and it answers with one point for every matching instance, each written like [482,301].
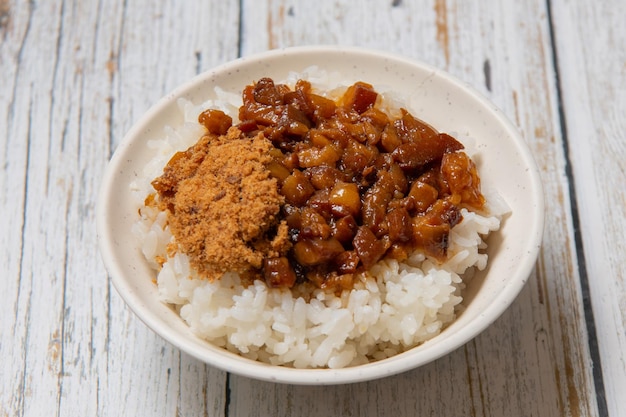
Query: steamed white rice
[393,308]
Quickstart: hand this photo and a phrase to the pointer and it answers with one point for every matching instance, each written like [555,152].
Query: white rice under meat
[396,306]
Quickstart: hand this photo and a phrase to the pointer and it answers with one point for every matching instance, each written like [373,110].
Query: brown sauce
[335,186]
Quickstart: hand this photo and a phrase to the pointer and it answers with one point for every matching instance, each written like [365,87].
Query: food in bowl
[312,227]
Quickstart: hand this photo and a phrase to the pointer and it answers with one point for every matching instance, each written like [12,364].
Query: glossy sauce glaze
[358,183]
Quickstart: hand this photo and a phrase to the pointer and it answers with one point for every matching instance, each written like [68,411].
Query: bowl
[434,96]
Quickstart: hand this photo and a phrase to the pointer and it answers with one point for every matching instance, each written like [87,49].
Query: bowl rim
[231,362]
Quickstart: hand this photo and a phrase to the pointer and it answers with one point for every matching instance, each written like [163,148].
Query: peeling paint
[540,132]
[5,14]
[516,107]
[441,23]
[273,24]
[54,352]
[573,400]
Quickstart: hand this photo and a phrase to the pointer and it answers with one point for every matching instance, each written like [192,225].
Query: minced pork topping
[308,189]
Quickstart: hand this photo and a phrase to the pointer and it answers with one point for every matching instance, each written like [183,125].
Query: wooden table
[75,76]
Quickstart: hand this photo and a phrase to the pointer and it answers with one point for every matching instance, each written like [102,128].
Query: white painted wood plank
[160,45]
[535,359]
[13,162]
[78,74]
[591,41]
[35,355]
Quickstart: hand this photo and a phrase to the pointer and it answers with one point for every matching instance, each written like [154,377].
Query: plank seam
[57,61]
[240,30]
[227,395]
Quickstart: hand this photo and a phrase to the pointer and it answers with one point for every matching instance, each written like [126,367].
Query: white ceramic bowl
[436,97]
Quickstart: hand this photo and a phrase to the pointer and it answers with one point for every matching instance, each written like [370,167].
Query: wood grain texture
[77,75]
[591,49]
[80,74]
